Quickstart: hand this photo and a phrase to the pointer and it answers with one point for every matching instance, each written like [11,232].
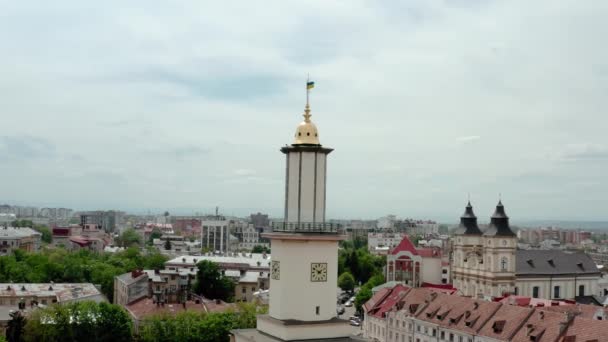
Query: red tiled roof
[442,288]
[389,301]
[80,240]
[541,326]
[584,329]
[405,246]
[376,298]
[580,310]
[505,322]
[429,252]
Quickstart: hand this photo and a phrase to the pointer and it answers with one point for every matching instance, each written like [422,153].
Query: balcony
[306,227]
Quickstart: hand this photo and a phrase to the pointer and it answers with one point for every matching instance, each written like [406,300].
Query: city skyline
[180,107]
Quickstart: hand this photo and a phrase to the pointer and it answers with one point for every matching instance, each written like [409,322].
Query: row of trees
[194,326]
[355,259]
[80,321]
[356,265]
[60,266]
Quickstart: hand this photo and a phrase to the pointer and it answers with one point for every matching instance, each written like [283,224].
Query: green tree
[81,321]
[156,234]
[193,326]
[365,293]
[346,281]
[129,237]
[260,249]
[211,283]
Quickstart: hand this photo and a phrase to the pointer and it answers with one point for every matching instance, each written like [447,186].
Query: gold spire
[307,133]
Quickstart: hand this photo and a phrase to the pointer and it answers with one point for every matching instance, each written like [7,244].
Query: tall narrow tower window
[503,264]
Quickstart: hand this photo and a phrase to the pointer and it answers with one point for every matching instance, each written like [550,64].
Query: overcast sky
[184,105]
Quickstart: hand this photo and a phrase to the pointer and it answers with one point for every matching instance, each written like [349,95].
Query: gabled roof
[468,222]
[545,262]
[405,246]
[584,329]
[505,322]
[389,301]
[376,298]
[499,223]
[541,326]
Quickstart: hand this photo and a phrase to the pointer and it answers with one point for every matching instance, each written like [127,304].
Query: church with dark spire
[483,261]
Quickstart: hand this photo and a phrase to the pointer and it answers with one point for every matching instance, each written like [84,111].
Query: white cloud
[168,97]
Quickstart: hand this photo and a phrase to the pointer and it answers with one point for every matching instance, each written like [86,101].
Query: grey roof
[553,262]
[468,222]
[499,223]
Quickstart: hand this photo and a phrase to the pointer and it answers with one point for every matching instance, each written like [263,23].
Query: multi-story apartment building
[385,240]
[110,221]
[12,238]
[249,271]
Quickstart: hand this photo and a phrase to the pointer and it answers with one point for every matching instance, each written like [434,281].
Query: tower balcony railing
[306,227]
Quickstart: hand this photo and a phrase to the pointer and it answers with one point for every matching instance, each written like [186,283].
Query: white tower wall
[305,192]
[294,295]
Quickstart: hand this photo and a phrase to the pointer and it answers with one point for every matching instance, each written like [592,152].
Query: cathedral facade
[483,263]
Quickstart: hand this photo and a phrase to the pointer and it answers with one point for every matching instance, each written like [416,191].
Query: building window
[581,290]
[434,332]
[396,336]
[442,335]
[459,338]
[418,328]
[503,264]
[243,290]
[451,337]
[535,292]
[556,292]
[318,310]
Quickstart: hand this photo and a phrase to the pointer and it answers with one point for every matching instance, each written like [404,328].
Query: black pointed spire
[499,223]
[468,222]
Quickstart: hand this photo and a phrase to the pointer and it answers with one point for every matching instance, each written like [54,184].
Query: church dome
[307,133]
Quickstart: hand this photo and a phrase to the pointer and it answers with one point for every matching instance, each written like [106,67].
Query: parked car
[340,310]
[354,318]
[348,303]
[355,323]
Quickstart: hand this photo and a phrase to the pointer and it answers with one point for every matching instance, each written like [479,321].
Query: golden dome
[307,133]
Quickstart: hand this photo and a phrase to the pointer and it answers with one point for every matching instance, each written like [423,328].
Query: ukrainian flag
[310,85]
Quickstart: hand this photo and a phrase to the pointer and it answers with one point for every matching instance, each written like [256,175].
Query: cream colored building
[483,263]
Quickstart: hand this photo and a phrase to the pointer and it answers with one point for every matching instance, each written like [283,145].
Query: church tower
[304,266]
[483,263]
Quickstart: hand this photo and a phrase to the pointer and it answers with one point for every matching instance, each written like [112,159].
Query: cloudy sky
[184,105]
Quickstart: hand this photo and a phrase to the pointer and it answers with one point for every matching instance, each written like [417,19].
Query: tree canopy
[80,321]
[194,326]
[346,281]
[129,238]
[60,266]
[211,283]
[260,249]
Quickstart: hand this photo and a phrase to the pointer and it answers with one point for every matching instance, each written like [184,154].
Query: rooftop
[64,292]
[235,260]
[16,232]
[146,307]
[533,262]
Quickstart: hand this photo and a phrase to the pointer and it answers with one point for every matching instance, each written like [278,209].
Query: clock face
[318,272]
[275,270]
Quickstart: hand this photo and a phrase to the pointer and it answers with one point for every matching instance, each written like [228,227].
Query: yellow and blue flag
[310,85]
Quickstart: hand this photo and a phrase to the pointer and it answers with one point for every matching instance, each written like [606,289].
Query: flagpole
[307,90]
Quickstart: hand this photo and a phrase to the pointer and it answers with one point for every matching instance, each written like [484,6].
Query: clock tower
[304,266]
